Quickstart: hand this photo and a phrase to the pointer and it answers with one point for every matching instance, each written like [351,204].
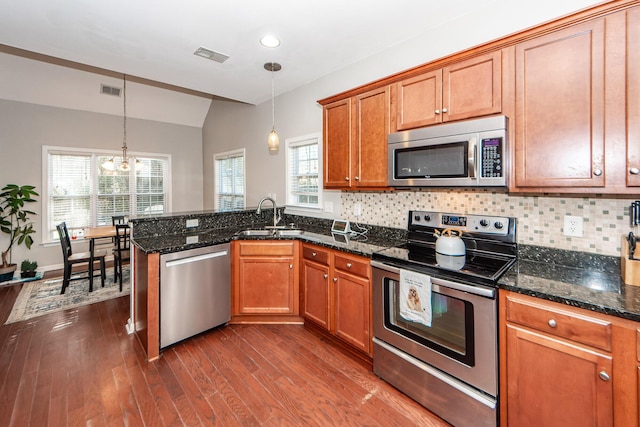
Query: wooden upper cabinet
[337,144]
[559,135]
[372,131]
[355,141]
[418,99]
[466,89]
[633,98]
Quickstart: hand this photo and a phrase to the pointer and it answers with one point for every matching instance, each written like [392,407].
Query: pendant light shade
[273,141]
[125,165]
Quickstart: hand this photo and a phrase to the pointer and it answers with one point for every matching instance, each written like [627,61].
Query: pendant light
[273,141]
[125,166]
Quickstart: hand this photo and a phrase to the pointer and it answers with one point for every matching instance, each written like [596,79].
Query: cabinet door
[372,130]
[418,100]
[554,383]
[560,108]
[266,285]
[633,97]
[351,304]
[337,144]
[472,88]
[315,282]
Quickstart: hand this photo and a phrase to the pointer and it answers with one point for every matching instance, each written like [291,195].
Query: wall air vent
[210,54]
[110,90]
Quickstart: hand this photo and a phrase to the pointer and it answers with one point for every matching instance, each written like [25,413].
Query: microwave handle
[471,157]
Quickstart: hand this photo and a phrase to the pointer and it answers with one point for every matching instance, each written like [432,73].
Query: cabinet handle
[290,266]
[604,376]
[634,171]
[346,178]
[335,279]
[444,110]
[437,111]
[326,276]
[357,178]
[348,265]
[552,323]
[597,172]
[313,254]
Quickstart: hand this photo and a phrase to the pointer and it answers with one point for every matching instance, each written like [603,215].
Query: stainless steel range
[435,313]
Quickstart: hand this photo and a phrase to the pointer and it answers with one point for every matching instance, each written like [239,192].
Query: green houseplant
[28,268]
[15,222]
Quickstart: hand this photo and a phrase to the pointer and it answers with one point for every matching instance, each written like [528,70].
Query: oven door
[462,338]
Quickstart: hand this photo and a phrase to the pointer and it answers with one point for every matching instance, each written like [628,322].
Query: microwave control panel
[492,161]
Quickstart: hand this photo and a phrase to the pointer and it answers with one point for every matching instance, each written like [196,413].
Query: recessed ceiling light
[269,41]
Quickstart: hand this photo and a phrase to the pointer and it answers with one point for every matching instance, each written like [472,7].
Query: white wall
[25,128]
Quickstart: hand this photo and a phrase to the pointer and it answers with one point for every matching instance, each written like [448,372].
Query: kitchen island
[153,237]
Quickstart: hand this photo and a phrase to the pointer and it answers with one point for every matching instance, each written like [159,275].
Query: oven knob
[427,218]
[416,217]
[484,222]
[498,225]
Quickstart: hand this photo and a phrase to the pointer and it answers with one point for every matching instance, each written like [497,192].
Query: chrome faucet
[276,215]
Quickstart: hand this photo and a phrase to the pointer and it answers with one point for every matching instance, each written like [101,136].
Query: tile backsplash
[540,218]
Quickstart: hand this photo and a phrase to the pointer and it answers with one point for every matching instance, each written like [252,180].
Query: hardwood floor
[79,367]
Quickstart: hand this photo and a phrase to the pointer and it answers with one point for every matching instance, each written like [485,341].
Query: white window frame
[290,144]
[241,152]
[94,153]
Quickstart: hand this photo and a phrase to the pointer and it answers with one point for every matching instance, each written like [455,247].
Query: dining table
[93,234]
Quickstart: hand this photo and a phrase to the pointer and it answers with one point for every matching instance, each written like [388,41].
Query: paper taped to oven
[415,297]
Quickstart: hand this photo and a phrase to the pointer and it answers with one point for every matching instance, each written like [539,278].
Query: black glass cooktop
[475,265]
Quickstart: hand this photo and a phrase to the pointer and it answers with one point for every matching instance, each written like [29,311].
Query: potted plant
[28,268]
[15,222]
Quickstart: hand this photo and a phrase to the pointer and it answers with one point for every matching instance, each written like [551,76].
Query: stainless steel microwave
[471,153]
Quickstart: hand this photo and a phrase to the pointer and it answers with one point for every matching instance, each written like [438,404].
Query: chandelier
[125,162]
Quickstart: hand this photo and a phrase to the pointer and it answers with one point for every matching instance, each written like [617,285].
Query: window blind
[303,186]
[229,180]
[83,194]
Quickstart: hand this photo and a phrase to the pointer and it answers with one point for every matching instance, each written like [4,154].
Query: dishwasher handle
[195,258]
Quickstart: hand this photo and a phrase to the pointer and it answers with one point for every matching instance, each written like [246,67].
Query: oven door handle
[475,290]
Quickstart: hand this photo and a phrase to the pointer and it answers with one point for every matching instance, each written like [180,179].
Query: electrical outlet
[192,223]
[573,226]
[357,209]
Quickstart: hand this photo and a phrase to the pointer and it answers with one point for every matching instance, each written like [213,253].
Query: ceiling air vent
[210,54]
[110,90]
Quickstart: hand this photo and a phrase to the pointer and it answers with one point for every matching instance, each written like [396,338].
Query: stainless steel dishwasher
[195,292]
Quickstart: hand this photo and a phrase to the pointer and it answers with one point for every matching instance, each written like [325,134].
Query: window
[303,172]
[229,179]
[83,194]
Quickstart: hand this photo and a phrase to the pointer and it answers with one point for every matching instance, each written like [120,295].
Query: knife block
[630,268]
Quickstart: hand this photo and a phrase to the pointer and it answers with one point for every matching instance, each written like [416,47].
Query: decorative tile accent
[540,217]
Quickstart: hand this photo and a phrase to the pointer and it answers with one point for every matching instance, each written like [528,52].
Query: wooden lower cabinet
[265,281]
[337,295]
[562,366]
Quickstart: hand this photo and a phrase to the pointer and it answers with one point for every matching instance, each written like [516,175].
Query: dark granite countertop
[593,284]
[360,245]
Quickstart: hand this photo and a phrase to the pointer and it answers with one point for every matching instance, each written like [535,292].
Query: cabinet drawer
[559,322]
[316,254]
[359,267]
[272,248]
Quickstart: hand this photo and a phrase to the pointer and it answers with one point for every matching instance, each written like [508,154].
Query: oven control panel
[469,223]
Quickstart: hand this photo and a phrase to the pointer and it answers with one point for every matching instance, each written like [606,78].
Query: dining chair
[121,251]
[119,219]
[70,259]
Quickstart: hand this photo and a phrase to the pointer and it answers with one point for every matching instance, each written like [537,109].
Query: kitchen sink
[255,233]
[289,232]
[270,232]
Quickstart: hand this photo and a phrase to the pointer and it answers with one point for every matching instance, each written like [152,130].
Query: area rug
[41,297]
